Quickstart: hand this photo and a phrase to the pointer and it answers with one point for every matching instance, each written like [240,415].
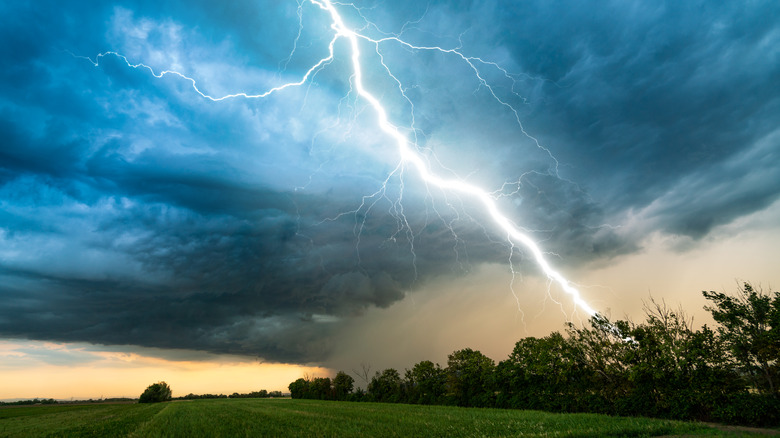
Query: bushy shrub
[158,392]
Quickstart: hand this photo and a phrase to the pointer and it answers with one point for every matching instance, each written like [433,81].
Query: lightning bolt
[407,148]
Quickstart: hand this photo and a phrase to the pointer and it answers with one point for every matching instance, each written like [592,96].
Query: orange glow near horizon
[32,369]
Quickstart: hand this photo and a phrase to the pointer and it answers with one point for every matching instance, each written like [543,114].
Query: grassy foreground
[284,417]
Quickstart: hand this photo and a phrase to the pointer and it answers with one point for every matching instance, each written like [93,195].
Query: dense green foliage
[662,368]
[426,383]
[305,418]
[155,393]
[750,327]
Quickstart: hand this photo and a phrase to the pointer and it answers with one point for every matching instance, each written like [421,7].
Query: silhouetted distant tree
[364,372]
[157,392]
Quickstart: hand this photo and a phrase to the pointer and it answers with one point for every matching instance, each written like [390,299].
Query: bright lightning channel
[408,155]
[406,150]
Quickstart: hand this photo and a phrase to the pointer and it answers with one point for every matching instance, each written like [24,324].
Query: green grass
[279,417]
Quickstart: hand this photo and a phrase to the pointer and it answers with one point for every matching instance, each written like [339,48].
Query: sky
[233,245]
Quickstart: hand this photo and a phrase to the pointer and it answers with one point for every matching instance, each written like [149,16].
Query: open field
[285,417]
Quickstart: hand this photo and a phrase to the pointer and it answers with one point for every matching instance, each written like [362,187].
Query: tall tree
[750,326]
[675,371]
[470,378]
[548,373]
[299,388]
[321,388]
[386,387]
[603,346]
[427,383]
[343,384]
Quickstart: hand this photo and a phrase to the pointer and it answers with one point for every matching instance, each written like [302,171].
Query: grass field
[284,417]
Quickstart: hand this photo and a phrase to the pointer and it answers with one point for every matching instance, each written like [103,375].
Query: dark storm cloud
[134,212]
[658,102]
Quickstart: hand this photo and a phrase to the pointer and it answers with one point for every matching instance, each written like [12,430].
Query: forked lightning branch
[407,148]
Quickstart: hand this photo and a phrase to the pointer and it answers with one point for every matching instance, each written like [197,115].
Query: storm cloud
[136,212]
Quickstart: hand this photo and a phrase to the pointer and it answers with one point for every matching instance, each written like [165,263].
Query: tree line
[661,367]
[161,392]
[254,394]
[51,401]
[34,401]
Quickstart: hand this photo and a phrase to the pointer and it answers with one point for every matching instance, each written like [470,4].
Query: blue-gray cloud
[136,212]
